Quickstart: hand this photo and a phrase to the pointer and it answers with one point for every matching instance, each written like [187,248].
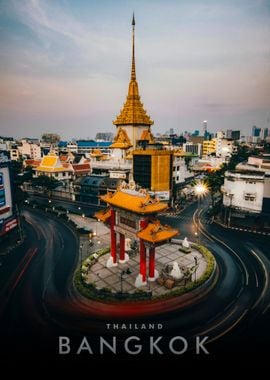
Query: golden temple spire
[133,111]
[133,70]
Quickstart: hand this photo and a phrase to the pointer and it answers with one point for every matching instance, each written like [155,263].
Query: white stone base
[126,259]
[139,281]
[152,279]
[110,263]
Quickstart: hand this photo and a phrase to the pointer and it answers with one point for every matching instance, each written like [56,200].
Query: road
[40,304]
[242,292]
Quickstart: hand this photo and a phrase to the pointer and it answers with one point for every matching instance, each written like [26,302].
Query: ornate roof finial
[133,70]
[133,111]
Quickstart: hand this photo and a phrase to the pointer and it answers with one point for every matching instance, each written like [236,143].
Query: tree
[242,154]
[46,183]
[28,173]
[188,161]
[50,138]
[215,180]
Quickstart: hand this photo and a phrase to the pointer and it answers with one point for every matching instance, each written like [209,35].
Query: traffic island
[179,273]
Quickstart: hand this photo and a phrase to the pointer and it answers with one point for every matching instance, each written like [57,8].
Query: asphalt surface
[39,303]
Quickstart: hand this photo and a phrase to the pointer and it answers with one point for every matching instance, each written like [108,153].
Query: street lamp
[200,190]
[122,273]
[230,209]
[81,255]
[81,248]
[196,235]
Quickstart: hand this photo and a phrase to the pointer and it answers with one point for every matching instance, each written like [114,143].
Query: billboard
[5,194]
[8,220]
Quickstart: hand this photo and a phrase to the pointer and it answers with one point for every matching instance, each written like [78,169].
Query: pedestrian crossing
[189,218]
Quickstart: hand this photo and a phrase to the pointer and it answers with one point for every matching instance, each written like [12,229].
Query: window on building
[142,170]
[250,197]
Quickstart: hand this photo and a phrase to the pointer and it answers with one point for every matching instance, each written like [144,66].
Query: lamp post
[201,190]
[122,273]
[230,209]
[196,235]
[81,248]
[81,255]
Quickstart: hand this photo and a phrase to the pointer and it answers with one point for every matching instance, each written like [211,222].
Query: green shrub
[89,290]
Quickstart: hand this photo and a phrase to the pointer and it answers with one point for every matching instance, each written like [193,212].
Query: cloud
[61,41]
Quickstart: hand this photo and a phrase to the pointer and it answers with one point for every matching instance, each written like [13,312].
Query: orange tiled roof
[78,168]
[33,163]
[155,232]
[103,215]
[134,201]
[63,158]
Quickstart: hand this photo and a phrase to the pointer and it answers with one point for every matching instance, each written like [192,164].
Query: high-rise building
[204,129]
[152,169]
[233,135]
[256,131]
[263,133]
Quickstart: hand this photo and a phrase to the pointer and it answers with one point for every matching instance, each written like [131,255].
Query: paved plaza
[111,278]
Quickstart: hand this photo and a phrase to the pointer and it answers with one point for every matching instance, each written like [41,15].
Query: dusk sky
[65,64]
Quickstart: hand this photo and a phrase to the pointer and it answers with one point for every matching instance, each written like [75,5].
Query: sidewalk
[244,229]
[98,228]
[100,238]
[174,212]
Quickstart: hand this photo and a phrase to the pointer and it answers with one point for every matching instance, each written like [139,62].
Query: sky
[65,64]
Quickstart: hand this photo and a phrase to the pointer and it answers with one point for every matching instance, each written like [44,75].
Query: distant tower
[256,131]
[204,129]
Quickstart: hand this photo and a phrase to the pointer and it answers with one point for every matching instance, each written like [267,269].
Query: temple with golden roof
[136,155]
[133,123]
[132,215]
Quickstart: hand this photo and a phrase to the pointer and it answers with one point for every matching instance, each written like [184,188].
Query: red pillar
[143,224]
[152,262]
[122,247]
[113,237]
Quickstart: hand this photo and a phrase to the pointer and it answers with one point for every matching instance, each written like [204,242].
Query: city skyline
[65,65]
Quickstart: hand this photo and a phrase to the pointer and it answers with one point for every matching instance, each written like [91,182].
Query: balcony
[112,164]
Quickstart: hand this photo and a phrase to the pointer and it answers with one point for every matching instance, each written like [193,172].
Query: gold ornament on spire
[133,111]
[121,140]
